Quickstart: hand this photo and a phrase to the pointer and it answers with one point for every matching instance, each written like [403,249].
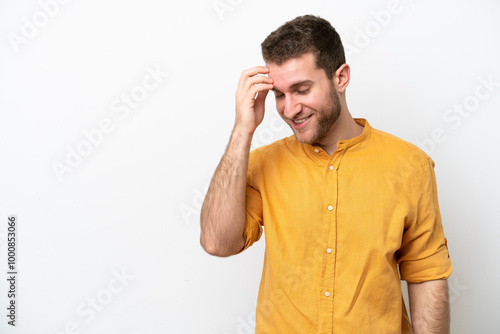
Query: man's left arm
[430,307]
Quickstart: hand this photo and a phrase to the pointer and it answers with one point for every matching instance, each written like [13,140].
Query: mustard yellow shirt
[336,229]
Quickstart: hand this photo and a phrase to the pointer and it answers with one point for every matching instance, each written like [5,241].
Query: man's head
[306,62]
[305,34]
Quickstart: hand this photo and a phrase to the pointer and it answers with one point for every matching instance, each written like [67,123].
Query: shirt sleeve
[423,255]
[253,205]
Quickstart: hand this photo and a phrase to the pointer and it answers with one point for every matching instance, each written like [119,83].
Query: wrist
[243,134]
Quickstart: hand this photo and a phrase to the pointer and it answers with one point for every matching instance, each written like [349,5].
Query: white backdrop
[114,114]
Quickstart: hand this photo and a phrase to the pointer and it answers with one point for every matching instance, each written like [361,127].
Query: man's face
[305,98]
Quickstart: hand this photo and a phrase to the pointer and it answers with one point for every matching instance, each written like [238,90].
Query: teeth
[301,120]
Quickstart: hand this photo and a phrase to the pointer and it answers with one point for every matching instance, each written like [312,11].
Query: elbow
[216,249]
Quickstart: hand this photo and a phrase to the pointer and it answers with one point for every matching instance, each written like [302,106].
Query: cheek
[311,100]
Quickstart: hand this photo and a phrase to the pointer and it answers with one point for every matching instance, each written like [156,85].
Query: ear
[342,77]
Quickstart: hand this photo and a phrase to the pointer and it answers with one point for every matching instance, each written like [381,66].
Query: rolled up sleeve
[423,255]
[253,205]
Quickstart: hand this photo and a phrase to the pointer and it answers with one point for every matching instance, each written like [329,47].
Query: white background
[131,205]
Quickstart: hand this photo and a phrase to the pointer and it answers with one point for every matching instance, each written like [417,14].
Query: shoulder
[395,148]
[274,156]
[403,165]
[280,147]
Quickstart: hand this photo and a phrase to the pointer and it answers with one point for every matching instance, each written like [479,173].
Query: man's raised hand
[250,99]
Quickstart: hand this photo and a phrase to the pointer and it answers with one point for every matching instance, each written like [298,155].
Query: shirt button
[329,250]
[332,168]
[327,294]
[316,150]
[330,207]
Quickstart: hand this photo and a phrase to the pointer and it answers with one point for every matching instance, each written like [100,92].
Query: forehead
[295,70]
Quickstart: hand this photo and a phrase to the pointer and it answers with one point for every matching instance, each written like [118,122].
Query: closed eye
[279,95]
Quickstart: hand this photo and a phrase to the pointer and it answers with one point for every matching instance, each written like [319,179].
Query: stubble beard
[326,118]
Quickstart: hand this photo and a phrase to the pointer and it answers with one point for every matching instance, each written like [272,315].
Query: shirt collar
[318,154]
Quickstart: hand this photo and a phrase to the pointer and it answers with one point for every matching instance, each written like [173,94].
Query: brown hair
[305,34]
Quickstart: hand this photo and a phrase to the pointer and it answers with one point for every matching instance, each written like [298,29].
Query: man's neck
[344,128]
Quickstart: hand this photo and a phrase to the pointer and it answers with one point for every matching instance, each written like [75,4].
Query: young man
[348,210]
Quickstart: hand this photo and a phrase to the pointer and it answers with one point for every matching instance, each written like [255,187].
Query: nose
[292,107]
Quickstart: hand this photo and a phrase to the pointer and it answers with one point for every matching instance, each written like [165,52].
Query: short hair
[305,34]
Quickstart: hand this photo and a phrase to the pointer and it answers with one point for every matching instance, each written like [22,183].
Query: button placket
[330,232]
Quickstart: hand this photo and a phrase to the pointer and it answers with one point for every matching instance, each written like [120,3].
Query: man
[343,204]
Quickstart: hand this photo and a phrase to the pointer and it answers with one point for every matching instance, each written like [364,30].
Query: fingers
[251,93]
[261,96]
[259,89]
[251,77]
[254,71]
[256,82]
[259,79]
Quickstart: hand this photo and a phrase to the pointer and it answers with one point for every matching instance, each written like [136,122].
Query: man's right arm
[223,212]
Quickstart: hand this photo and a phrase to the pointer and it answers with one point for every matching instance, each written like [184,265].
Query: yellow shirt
[336,228]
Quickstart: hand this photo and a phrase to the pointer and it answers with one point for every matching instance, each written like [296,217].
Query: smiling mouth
[301,120]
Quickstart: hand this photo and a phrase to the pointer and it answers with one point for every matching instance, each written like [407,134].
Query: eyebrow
[297,84]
